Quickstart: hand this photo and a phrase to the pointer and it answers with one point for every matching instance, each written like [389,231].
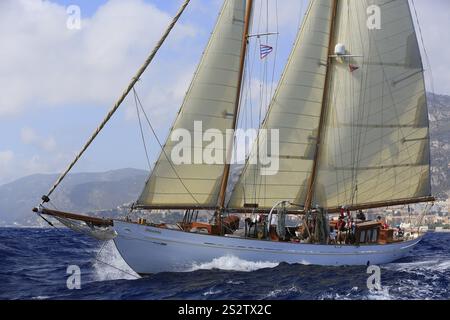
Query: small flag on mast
[265,50]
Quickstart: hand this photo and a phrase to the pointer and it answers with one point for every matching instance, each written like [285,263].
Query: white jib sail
[211,100]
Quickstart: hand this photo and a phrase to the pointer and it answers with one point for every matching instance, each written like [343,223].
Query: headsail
[295,111]
[211,100]
[375,144]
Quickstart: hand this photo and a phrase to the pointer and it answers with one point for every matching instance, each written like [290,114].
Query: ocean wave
[40,298]
[280,293]
[212,292]
[109,265]
[232,263]
[421,267]
[381,295]
[34,267]
[235,283]
[418,290]
[443,266]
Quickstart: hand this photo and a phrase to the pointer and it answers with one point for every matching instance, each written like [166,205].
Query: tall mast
[312,181]
[226,173]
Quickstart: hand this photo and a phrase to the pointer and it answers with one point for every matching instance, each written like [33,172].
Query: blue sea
[34,264]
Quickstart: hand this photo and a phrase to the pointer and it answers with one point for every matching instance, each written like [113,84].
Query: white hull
[149,250]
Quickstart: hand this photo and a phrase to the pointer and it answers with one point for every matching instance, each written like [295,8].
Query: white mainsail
[295,111]
[211,100]
[375,145]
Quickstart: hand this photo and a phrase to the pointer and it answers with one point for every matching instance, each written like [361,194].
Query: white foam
[421,267]
[231,263]
[112,265]
[40,298]
[380,294]
[212,293]
[412,265]
[235,283]
[281,292]
[443,266]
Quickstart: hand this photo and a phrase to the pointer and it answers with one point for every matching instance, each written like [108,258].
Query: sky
[58,83]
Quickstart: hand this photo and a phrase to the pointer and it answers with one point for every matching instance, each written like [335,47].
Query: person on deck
[361,216]
[400,232]
[341,229]
[333,236]
[352,231]
[384,225]
[342,212]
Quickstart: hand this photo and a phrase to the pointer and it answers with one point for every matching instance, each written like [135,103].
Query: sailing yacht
[352,118]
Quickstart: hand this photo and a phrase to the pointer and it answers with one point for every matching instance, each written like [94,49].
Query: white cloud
[31,137]
[6,157]
[13,166]
[44,64]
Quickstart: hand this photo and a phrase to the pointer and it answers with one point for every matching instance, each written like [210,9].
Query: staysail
[295,112]
[209,104]
[375,146]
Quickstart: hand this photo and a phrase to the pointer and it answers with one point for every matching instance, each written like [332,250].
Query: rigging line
[362,133]
[424,48]
[258,43]
[247,110]
[266,89]
[276,52]
[164,151]
[363,83]
[110,265]
[355,105]
[349,100]
[264,100]
[121,99]
[142,130]
[53,205]
[359,116]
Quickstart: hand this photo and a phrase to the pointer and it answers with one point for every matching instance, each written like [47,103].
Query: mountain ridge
[79,192]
